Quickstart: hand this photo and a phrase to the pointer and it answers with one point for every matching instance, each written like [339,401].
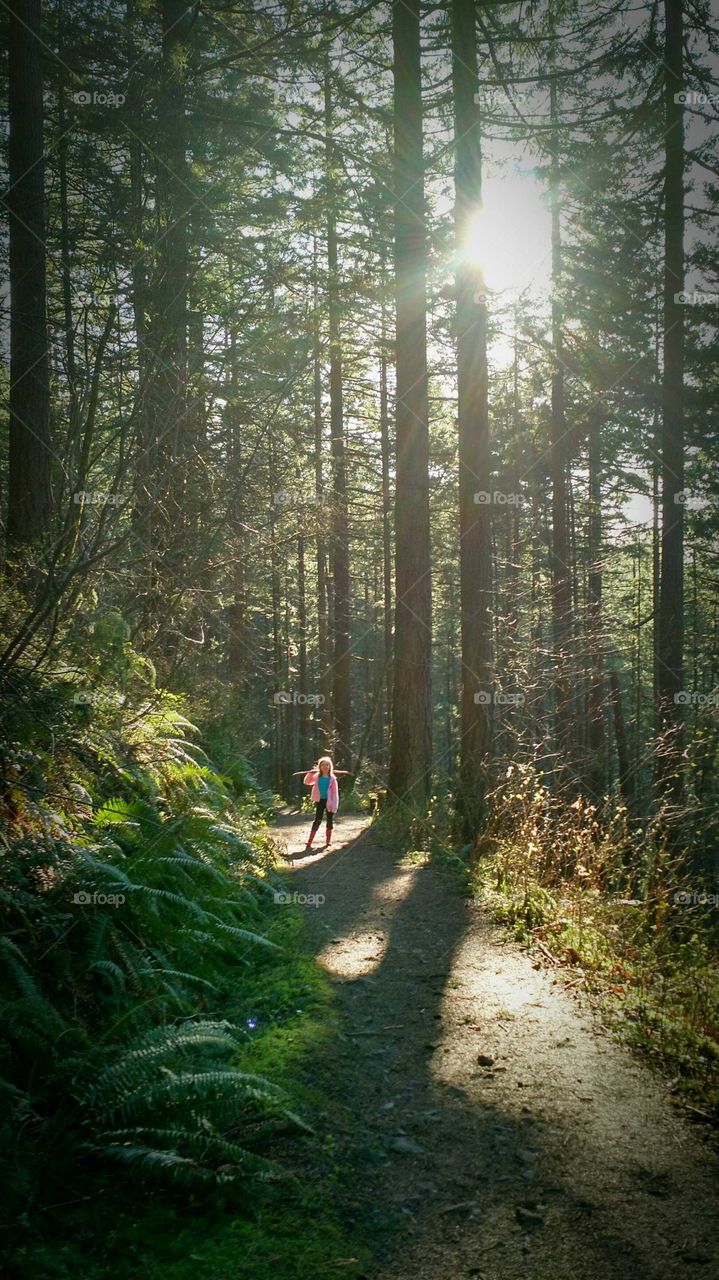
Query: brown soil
[497,1123]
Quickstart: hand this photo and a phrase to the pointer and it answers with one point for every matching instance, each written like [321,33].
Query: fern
[195,1150]
[115,1039]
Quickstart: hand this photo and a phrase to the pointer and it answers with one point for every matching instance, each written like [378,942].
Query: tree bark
[385,449]
[303,740]
[670,646]
[411,748]
[561,572]
[29,499]
[323,657]
[473,427]
[595,736]
[620,738]
[341,667]
[167,424]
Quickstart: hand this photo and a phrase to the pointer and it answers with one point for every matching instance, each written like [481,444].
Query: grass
[306,1228]
[557,878]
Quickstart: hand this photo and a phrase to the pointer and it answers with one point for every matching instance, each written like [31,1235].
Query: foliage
[136,923]
[607,898]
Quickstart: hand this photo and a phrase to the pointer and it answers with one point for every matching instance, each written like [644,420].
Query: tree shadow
[454,1175]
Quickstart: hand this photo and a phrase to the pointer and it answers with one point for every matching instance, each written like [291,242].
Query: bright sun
[509,238]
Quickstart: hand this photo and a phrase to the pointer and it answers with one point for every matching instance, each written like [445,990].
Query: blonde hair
[325,760]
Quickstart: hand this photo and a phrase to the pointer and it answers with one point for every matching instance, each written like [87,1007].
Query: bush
[608,896]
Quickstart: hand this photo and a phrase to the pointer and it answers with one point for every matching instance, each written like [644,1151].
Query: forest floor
[495,1128]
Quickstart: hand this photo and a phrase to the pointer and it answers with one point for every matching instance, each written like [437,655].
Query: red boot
[328,840]
[313,833]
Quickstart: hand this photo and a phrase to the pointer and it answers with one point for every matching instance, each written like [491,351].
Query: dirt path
[497,1123]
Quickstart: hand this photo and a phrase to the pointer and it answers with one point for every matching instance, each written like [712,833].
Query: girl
[325,795]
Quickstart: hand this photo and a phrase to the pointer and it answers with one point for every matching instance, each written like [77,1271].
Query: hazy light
[509,237]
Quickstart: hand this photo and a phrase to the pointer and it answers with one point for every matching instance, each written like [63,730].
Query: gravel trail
[500,1127]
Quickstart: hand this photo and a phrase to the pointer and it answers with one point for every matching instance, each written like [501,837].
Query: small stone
[485,1060]
[406,1147]
[528,1217]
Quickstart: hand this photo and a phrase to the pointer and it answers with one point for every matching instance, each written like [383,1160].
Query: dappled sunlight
[357,954]
[479,995]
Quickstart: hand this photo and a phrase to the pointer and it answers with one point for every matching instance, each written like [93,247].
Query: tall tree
[670,638]
[411,748]
[29,506]
[561,571]
[342,666]
[475,554]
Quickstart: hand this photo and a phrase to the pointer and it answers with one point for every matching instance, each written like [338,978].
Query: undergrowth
[157,1002]
[607,898]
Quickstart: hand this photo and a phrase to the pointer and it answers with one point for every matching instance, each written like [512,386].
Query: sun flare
[508,237]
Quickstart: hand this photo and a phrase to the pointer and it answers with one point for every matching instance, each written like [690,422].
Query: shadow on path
[500,1135]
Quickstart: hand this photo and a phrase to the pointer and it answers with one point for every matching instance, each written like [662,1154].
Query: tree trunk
[73,405]
[595,736]
[138,270]
[670,647]
[561,573]
[303,740]
[411,749]
[168,305]
[237,643]
[620,738]
[341,668]
[473,427]
[29,450]
[323,657]
[386,525]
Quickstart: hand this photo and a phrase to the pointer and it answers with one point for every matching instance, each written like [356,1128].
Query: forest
[360,401]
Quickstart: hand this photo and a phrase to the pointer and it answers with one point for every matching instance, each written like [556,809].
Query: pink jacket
[333,795]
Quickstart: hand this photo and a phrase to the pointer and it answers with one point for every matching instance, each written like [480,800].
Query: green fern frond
[228,1090]
[245,935]
[18,967]
[138,1065]
[193,979]
[110,969]
[197,1143]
